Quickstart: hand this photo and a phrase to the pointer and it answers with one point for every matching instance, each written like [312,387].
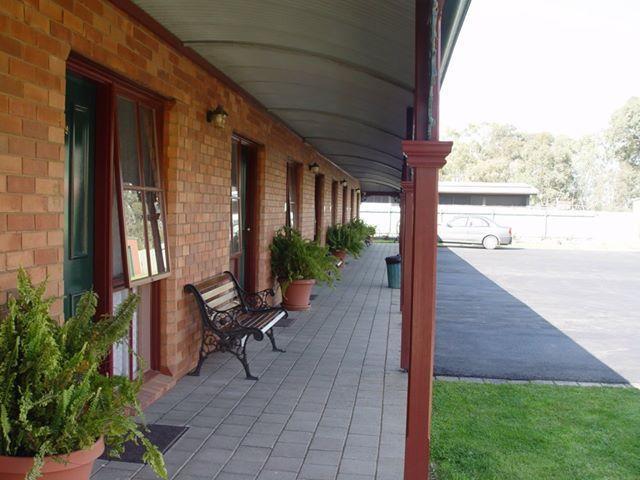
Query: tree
[600,172]
[500,153]
[623,134]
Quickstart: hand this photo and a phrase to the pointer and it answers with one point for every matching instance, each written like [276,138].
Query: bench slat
[217,302]
[218,290]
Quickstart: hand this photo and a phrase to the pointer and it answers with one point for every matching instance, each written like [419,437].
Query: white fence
[528,223]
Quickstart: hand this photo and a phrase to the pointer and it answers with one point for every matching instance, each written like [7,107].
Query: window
[141,196]
[478,222]
[458,222]
[293,192]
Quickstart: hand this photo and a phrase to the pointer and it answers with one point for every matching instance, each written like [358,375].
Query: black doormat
[287,322]
[314,296]
[162,436]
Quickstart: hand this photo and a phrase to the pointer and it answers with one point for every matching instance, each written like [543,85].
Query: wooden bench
[230,315]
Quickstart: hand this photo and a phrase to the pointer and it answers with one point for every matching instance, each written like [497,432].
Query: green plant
[53,398]
[349,237]
[361,229]
[294,258]
[342,238]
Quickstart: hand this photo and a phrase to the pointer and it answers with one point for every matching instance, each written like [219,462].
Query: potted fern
[57,410]
[298,264]
[343,239]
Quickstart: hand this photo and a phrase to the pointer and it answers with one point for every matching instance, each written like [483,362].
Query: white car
[474,229]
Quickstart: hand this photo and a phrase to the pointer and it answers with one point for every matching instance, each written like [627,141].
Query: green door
[79,198]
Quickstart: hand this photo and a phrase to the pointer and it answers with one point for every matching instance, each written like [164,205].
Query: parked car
[476,230]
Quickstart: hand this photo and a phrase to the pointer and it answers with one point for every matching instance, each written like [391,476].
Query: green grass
[512,432]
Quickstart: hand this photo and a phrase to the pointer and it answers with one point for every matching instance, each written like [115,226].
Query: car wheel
[490,242]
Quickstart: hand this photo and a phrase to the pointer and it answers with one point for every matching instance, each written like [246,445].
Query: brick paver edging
[560,383]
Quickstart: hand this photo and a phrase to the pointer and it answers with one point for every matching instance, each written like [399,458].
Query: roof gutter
[457,19]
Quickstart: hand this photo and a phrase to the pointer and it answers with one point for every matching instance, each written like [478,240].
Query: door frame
[253,204]
[108,84]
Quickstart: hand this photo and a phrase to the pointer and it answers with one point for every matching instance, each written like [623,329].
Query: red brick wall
[36,38]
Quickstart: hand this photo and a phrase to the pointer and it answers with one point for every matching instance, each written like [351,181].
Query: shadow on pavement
[484,331]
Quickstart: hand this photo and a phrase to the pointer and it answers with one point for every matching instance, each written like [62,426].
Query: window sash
[143,233]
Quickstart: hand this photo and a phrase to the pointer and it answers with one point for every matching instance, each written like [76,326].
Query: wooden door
[79,190]
[244,211]
[319,208]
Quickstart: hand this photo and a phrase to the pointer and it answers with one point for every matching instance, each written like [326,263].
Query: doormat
[162,436]
[313,296]
[287,322]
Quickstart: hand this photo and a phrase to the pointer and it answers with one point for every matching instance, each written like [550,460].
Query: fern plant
[362,229]
[295,258]
[344,238]
[53,398]
[349,237]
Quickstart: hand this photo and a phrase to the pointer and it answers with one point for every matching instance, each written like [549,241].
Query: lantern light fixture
[217,116]
[344,183]
[315,168]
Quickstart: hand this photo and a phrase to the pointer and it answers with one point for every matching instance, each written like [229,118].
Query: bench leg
[273,341]
[241,354]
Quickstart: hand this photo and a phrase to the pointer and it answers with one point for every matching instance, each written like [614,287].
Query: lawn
[501,432]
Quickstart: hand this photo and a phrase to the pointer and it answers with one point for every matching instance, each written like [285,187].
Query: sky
[559,66]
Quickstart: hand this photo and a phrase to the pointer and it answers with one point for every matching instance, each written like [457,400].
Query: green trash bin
[393,270]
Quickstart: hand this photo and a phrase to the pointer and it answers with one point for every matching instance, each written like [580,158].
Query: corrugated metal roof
[487,188]
[339,72]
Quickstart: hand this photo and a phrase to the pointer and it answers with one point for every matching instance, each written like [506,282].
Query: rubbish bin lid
[393,259]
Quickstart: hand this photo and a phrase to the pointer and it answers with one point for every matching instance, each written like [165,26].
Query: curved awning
[340,73]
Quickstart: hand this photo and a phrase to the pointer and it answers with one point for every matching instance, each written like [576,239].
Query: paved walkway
[332,407]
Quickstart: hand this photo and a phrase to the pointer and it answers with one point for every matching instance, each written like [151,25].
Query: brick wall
[36,38]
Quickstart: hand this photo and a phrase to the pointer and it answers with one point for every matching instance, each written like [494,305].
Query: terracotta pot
[341,254]
[297,296]
[75,466]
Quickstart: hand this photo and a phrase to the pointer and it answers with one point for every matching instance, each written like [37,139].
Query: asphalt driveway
[539,314]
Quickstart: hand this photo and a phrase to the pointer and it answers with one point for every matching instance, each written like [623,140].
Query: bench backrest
[219,293]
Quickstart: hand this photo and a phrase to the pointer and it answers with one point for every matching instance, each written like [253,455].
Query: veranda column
[401,241]
[407,260]
[426,157]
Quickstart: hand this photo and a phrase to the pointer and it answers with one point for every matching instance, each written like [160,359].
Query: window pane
[155,229]
[116,243]
[120,353]
[149,153]
[236,218]
[292,195]
[135,235]
[127,141]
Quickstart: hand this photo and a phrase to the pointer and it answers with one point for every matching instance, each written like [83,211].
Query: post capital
[426,153]
[407,185]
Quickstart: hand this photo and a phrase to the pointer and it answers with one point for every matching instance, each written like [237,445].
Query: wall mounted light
[315,168]
[357,190]
[217,116]
[344,183]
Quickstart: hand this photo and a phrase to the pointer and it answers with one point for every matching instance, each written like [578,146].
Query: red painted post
[401,241]
[407,264]
[426,157]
